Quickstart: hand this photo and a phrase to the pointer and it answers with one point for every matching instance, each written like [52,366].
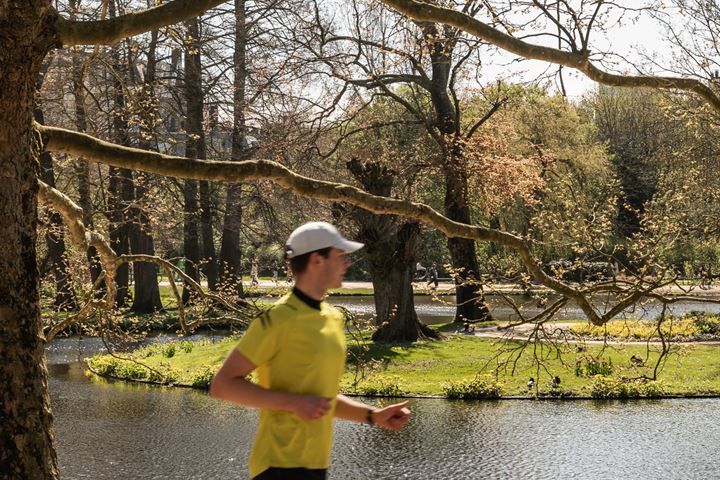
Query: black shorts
[275,473]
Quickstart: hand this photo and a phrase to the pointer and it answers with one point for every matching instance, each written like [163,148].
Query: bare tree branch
[421,11]
[73,32]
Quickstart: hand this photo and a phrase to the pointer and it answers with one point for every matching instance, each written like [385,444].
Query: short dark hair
[299,264]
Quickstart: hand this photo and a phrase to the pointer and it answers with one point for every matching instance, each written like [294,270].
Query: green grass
[428,368]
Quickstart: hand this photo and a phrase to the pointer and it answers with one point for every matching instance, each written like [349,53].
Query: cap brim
[348,247]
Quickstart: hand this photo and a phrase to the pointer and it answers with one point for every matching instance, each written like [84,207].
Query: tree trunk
[391,246]
[190,235]
[146,298]
[55,239]
[468,289]
[27,448]
[194,148]
[230,252]
[118,216]
[82,168]
[147,291]
[209,260]
[392,270]
[121,188]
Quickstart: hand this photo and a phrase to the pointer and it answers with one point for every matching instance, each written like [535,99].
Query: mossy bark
[27,448]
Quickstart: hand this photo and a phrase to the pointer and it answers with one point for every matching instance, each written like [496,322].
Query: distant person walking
[432,276]
[298,349]
[275,269]
[254,280]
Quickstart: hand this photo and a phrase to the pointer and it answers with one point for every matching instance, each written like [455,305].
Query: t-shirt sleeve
[260,342]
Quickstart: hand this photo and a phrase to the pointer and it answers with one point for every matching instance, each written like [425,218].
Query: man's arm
[392,417]
[230,384]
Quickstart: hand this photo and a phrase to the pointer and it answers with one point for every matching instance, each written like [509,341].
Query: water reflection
[441,310]
[113,430]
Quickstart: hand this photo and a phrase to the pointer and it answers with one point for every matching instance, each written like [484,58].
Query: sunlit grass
[425,368]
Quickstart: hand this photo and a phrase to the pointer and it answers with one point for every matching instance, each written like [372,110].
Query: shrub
[384,387]
[132,371]
[169,350]
[482,386]
[589,366]
[103,365]
[186,346]
[201,378]
[607,388]
[707,324]
[636,329]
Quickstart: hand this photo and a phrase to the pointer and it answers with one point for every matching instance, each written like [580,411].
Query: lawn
[429,368]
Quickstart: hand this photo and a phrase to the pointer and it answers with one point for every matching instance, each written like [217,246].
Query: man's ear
[314,258]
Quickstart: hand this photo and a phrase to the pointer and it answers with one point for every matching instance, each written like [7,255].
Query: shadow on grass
[385,353]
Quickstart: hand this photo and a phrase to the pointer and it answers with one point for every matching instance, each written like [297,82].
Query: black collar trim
[307,300]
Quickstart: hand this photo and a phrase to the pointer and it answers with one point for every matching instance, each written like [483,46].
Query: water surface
[113,430]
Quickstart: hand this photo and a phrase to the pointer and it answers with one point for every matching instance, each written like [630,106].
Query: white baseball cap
[315,236]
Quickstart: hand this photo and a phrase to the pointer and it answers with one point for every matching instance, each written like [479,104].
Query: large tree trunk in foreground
[392,268]
[391,246]
[26,434]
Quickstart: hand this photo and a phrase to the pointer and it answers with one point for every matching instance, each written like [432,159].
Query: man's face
[334,268]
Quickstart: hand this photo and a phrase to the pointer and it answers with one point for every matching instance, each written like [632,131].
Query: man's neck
[310,288]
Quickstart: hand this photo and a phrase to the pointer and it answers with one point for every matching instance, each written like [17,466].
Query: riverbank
[463,366]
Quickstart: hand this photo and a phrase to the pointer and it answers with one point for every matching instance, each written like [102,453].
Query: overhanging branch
[90,148]
[425,12]
[73,32]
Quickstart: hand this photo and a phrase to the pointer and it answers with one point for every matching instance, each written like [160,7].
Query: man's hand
[309,407]
[392,417]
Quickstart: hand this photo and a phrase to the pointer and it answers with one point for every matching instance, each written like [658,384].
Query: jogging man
[298,349]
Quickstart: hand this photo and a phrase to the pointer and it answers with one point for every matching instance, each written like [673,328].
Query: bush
[482,386]
[186,346]
[589,366]
[132,371]
[201,378]
[607,388]
[707,324]
[672,327]
[169,350]
[103,365]
[384,387]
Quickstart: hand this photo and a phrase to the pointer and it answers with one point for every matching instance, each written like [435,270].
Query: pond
[113,430]
[442,309]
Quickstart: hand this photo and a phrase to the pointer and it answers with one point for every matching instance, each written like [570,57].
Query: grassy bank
[453,368]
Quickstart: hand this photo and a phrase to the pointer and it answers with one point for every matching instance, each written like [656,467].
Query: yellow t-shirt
[297,349]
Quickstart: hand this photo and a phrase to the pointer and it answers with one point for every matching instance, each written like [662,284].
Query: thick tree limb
[74,143]
[421,11]
[72,32]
